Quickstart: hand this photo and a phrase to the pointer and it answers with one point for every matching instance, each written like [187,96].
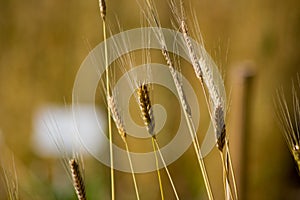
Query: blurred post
[240,114]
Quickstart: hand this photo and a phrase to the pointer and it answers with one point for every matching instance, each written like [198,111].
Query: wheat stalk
[102,7]
[204,73]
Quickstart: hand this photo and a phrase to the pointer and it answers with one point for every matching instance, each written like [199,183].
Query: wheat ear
[218,120]
[102,6]
[77,179]
[146,109]
[122,132]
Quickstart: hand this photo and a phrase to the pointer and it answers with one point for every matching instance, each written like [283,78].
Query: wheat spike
[146,108]
[116,116]
[102,6]
[77,179]
[220,127]
[177,83]
[191,51]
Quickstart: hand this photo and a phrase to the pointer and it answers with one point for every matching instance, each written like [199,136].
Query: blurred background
[42,44]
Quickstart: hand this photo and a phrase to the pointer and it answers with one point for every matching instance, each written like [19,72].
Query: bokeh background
[255,43]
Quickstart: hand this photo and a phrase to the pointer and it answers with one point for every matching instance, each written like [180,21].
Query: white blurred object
[56,132]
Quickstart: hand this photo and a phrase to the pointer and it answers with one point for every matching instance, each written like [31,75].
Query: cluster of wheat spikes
[215,102]
[289,118]
[214,99]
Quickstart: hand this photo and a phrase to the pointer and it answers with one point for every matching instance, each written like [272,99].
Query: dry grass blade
[78,182]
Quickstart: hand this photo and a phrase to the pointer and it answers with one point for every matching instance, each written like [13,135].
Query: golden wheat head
[146,108]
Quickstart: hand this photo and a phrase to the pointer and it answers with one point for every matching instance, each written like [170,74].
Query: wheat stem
[231,171]
[102,6]
[157,169]
[199,156]
[132,171]
[166,168]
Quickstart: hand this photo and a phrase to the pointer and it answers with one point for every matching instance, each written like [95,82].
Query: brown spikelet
[220,127]
[77,179]
[116,116]
[102,6]
[146,109]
